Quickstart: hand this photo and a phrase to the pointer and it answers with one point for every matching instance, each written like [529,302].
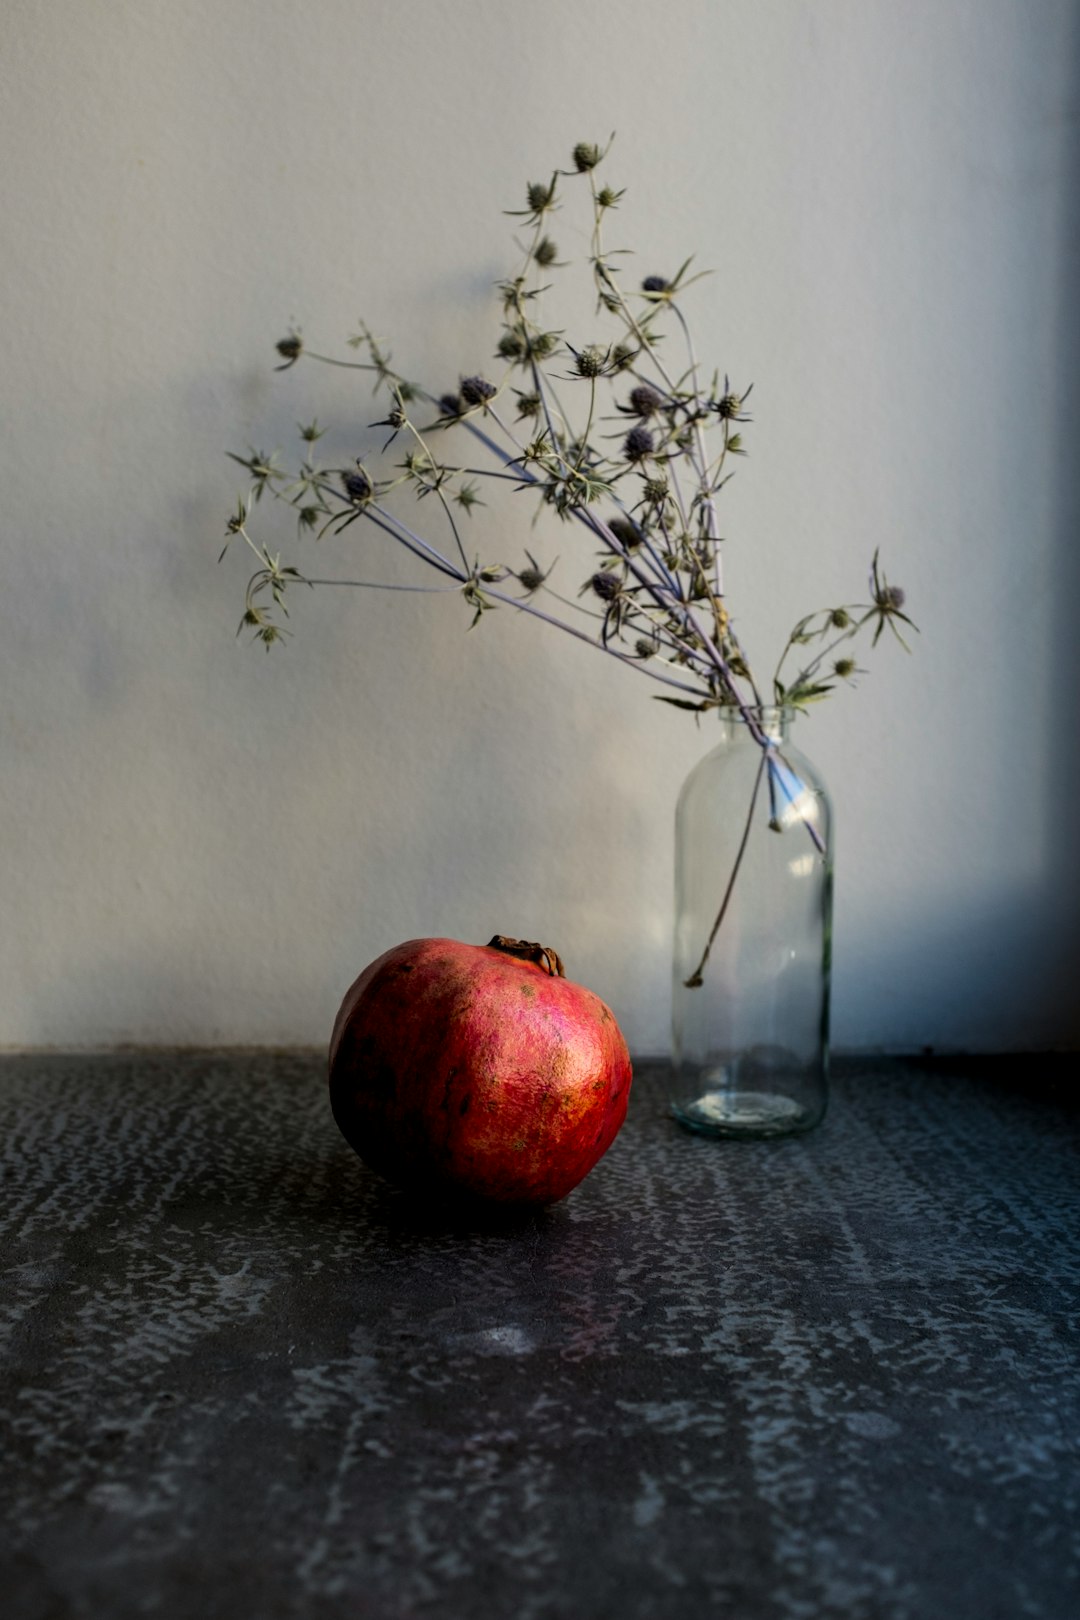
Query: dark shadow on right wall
[1062,750]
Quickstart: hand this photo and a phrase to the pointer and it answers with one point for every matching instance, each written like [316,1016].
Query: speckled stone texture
[243,1378]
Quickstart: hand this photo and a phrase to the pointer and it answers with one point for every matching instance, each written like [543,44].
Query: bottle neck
[771,720]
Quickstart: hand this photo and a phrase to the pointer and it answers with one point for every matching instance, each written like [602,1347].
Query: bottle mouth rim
[764,714]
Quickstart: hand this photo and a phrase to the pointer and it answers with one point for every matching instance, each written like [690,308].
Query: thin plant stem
[815,663]
[624,658]
[584,440]
[399,531]
[394,526]
[437,486]
[695,980]
[383,585]
[346,365]
[708,509]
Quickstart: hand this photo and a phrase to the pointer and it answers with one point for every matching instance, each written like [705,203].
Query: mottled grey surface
[242,1377]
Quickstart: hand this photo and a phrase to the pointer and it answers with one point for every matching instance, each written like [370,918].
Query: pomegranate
[478,1069]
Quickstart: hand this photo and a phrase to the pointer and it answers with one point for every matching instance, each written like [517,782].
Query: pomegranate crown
[529,951]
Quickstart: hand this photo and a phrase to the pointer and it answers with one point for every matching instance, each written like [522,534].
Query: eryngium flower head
[541,344]
[621,356]
[290,349]
[844,667]
[586,157]
[540,197]
[638,444]
[512,345]
[645,401]
[477,390]
[357,485]
[450,404]
[730,407]
[655,284]
[532,577]
[545,251]
[589,362]
[605,585]
[839,618]
[626,532]
[888,603]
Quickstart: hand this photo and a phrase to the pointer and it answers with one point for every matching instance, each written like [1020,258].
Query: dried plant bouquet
[620,433]
[654,591]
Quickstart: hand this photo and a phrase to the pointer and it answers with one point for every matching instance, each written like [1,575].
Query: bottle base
[748,1114]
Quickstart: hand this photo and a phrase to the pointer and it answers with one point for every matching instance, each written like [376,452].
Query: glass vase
[753,907]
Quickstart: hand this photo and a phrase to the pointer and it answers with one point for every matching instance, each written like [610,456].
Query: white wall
[203,843]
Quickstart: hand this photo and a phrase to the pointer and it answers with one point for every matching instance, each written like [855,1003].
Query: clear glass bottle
[753,908]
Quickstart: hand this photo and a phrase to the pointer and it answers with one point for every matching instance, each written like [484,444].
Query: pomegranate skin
[460,1068]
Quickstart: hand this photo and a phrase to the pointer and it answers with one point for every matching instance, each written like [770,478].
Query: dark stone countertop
[241,1377]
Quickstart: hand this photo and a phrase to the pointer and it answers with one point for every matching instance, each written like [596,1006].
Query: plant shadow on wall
[449,792]
[619,433]
[218,776]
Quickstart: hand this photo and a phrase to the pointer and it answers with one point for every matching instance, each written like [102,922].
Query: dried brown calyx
[527,950]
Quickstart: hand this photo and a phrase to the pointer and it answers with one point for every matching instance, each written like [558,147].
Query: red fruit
[477,1069]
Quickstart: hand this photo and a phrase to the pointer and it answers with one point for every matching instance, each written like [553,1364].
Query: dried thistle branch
[641,474]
